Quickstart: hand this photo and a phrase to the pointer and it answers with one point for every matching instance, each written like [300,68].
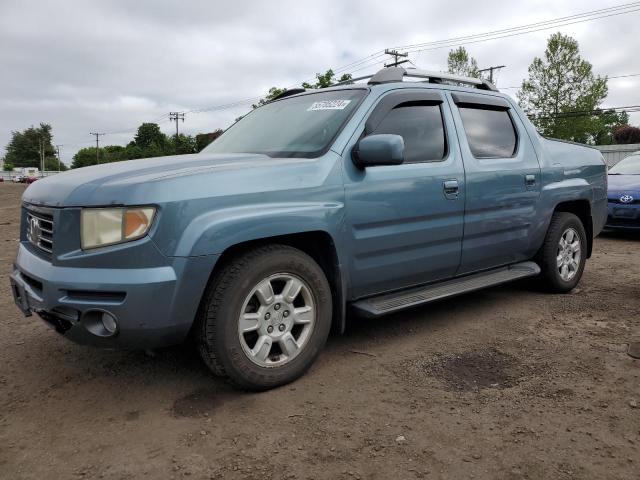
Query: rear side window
[421,128]
[490,133]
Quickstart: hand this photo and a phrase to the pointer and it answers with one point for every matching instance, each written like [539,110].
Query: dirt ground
[506,383]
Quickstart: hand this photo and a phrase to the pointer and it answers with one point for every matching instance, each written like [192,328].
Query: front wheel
[266,317]
[564,253]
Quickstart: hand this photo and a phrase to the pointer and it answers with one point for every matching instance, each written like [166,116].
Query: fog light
[109,323]
[100,323]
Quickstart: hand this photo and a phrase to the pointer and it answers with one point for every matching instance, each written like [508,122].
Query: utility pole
[41,145]
[396,55]
[97,145]
[58,149]
[490,70]
[176,116]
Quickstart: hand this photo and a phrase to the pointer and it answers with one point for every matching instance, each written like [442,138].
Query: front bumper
[622,216]
[153,307]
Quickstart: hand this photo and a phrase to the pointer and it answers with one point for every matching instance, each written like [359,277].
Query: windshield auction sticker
[329,105]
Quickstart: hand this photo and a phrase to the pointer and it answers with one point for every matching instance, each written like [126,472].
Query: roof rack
[286,93]
[396,74]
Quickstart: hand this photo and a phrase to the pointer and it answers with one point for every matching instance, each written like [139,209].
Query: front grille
[40,227]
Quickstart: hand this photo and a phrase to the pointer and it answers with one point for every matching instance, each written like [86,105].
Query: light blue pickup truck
[373,196]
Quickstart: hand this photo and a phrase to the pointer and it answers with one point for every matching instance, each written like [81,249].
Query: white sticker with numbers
[329,105]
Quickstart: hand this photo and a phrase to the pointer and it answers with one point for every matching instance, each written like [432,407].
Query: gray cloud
[107,66]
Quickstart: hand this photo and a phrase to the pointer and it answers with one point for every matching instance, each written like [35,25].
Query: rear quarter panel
[574,172]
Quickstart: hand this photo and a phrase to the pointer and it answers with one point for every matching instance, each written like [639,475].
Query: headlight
[108,226]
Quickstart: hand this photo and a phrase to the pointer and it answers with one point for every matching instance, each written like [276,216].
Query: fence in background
[614,153]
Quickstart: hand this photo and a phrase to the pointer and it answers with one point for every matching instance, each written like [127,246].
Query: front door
[405,222]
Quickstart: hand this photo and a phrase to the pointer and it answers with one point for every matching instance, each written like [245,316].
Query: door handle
[529,180]
[450,188]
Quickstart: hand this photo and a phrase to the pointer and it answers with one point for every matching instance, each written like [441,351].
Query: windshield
[628,166]
[301,126]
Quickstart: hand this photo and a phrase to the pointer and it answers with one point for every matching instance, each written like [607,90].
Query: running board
[392,302]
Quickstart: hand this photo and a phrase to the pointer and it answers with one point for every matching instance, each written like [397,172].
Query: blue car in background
[624,194]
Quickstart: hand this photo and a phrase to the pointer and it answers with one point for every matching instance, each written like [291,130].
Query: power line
[587,113]
[613,77]
[98,135]
[373,59]
[520,33]
[552,23]
[349,66]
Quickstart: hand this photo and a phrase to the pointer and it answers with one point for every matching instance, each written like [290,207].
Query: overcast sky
[85,66]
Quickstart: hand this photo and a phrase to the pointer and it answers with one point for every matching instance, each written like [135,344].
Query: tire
[265,356]
[557,262]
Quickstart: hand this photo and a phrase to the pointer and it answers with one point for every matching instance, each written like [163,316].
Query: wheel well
[582,210]
[318,245]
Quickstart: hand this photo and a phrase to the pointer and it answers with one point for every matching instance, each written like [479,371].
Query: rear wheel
[266,317]
[564,253]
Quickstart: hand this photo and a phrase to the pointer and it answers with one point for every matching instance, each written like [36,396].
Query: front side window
[490,133]
[422,129]
[300,126]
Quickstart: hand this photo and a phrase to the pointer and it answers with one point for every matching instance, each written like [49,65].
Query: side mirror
[381,149]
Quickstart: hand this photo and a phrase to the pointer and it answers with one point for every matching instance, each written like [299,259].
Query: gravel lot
[502,384]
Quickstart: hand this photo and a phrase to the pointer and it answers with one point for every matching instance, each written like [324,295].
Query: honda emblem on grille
[33,231]
[626,198]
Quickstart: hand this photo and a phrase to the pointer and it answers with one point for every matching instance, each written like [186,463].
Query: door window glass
[421,128]
[490,133]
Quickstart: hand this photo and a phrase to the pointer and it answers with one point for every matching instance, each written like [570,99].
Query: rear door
[404,222]
[503,181]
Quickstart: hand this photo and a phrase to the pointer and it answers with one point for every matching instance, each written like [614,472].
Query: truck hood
[154,179]
[624,183]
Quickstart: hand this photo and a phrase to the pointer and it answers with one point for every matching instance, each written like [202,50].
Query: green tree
[7,167]
[155,150]
[273,93]
[84,157]
[606,124]
[112,153]
[324,80]
[204,139]
[149,134]
[459,62]
[51,165]
[133,151]
[23,150]
[562,94]
[186,144]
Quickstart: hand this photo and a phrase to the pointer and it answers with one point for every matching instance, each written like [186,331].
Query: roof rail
[397,74]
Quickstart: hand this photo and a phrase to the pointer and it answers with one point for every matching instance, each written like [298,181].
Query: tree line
[562,96]
[149,141]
